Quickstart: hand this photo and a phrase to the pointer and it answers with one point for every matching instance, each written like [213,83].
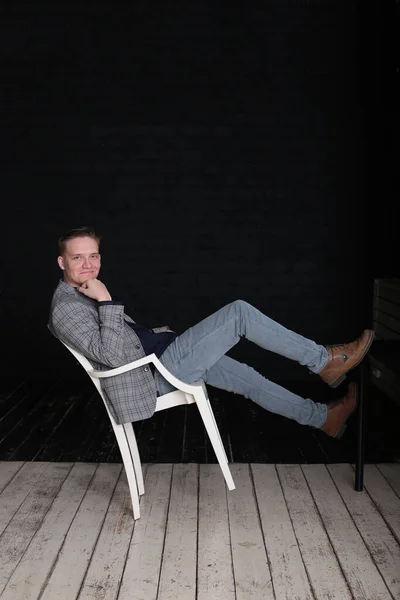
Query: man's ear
[60,261]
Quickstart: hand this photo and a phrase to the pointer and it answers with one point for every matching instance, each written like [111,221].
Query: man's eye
[77,257]
[95,256]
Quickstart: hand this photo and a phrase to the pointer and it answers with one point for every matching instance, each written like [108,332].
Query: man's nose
[86,263]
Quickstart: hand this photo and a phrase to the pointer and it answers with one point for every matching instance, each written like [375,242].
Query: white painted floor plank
[8,470]
[324,572]
[143,566]
[214,570]
[385,498]
[391,472]
[289,576]
[103,577]
[73,559]
[35,566]
[383,547]
[178,571]
[361,573]
[18,489]
[28,518]
[250,564]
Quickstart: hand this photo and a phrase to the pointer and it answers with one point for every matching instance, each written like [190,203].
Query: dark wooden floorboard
[66,421]
[9,389]
[81,429]
[171,442]
[67,439]
[150,435]
[33,429]
[194,437]
[23,414]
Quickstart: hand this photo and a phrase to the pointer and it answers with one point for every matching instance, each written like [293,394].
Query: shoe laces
[333,347]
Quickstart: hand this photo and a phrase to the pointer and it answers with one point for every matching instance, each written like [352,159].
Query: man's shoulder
[63,288]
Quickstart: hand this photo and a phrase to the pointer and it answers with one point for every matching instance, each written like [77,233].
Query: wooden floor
[65,421]
[288,532]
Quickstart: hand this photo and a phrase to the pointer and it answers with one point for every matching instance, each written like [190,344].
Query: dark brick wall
[219,153]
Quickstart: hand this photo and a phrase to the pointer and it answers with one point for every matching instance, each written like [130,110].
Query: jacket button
[137,346]
[146,369]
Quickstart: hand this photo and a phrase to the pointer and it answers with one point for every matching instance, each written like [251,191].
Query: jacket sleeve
[101,341]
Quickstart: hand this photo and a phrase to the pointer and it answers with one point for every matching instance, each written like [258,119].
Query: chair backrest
[85,364]
[80,358]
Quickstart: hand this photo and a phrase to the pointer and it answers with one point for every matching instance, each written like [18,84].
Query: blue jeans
[200,352]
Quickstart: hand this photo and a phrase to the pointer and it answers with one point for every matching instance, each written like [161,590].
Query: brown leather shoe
[339,412]
[344,357]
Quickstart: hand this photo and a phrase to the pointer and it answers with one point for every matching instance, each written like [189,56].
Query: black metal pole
[363,385]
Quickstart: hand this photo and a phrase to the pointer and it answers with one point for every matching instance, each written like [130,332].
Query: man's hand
[93,288]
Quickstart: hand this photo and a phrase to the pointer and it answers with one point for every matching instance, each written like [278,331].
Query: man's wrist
[110,303]
[104,298]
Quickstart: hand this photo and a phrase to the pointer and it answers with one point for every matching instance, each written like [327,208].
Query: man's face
[81,261]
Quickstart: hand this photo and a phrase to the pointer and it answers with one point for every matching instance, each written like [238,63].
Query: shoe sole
[341,378]
[343,426]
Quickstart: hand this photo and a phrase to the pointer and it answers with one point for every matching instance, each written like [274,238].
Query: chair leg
[216,428]
[203,385]
[363,383]
[129,468]
[207,415]
[137,465]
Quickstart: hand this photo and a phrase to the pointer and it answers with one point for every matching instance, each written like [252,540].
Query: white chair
[184,394]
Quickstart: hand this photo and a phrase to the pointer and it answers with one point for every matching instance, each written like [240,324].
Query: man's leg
[233,376]
[200,353]
[200,347]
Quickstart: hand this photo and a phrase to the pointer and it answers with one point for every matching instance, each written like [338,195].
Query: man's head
[79,255]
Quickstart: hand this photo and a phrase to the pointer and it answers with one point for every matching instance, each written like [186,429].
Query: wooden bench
[382,366]
[384,357]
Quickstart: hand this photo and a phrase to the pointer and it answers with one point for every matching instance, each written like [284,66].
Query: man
[85,317]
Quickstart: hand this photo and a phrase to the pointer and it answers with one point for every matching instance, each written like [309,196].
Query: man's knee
[241,305]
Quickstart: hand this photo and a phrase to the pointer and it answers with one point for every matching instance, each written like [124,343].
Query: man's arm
[95,289]
[102,342]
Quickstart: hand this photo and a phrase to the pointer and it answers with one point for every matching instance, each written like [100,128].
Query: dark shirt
[153,343]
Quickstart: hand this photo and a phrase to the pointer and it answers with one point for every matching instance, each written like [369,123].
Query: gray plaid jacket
[100,333]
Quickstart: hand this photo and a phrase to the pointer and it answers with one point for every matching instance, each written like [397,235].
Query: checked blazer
[100,332]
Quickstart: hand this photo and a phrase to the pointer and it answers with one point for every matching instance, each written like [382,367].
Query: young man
[84,316]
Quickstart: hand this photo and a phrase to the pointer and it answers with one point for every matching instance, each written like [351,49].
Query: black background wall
[221,151]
